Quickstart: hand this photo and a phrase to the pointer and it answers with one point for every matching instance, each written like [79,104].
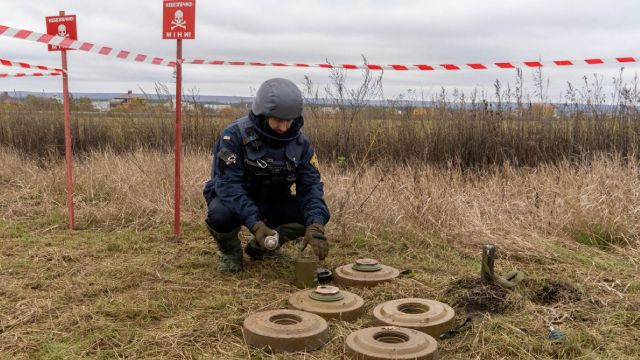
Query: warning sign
[179,19]
[63,25]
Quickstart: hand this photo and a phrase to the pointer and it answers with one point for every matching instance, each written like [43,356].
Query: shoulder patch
[226,137]
[314,161]
[226,158]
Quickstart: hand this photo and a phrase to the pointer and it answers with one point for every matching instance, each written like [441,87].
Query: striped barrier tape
[27,66]
[121,54]
[31,74]
[424,67]
[83,46]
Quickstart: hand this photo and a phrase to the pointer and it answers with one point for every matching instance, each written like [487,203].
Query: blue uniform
[252,175]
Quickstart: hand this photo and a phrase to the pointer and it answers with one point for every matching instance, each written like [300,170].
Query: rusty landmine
[390,342]
[429,316]
[364,272]
[474,297]
[553,292]
[279,331]
[329,302]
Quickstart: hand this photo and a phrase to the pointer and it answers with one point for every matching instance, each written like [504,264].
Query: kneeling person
[256,161]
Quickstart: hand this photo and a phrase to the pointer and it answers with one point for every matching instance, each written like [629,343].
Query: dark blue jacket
[230,182]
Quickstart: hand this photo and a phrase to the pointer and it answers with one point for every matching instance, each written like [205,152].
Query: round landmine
[329,302]
[285,331]
[364,272]
[390,342]
[429,316]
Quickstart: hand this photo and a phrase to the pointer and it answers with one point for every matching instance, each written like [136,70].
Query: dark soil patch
[553,292]
[473,297]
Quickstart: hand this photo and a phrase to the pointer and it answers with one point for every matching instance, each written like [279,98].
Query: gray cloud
[403,32]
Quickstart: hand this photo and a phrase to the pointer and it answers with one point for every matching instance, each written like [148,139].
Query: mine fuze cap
[279,98]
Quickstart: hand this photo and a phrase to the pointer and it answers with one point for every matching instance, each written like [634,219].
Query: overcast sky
[386,32]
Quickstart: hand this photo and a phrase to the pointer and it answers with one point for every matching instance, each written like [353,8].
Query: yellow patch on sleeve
[226,137]
[314,161]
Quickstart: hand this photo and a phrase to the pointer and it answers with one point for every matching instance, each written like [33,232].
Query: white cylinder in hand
[271,242]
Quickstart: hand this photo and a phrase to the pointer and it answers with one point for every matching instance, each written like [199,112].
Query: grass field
[122,286]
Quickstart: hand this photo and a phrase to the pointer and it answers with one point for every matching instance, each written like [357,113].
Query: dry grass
[468,138]
[121,286]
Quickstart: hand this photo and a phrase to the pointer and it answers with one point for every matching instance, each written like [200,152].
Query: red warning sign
[179,19]
[62,25]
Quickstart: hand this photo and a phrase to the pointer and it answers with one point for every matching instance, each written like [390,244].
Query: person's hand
[261,231]
[315,236]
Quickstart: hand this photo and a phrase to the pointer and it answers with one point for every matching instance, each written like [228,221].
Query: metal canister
[305,270]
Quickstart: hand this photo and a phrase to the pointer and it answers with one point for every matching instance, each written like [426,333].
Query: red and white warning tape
[103,50]
[80,45]
[31,74]
[27,66]
[503,65]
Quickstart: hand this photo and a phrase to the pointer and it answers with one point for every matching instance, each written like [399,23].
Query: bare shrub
[469,131]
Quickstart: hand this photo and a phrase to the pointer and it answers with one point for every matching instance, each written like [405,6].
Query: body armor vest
[268,172]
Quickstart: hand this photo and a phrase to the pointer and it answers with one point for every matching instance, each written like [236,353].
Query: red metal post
[67,136]
[176,220]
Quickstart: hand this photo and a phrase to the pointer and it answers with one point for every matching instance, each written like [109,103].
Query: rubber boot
[229,250]
[286,233]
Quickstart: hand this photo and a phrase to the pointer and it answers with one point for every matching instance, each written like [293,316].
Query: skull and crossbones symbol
[179,21]
[62,31]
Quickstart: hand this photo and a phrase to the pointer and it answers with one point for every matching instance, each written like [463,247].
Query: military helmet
[279,98]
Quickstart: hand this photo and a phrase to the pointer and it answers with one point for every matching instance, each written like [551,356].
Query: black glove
[315,236]
[261,231]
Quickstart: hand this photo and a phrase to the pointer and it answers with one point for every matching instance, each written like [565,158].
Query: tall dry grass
[41,133]
[123,286]
[443,135]
[514,204]
[470,131]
